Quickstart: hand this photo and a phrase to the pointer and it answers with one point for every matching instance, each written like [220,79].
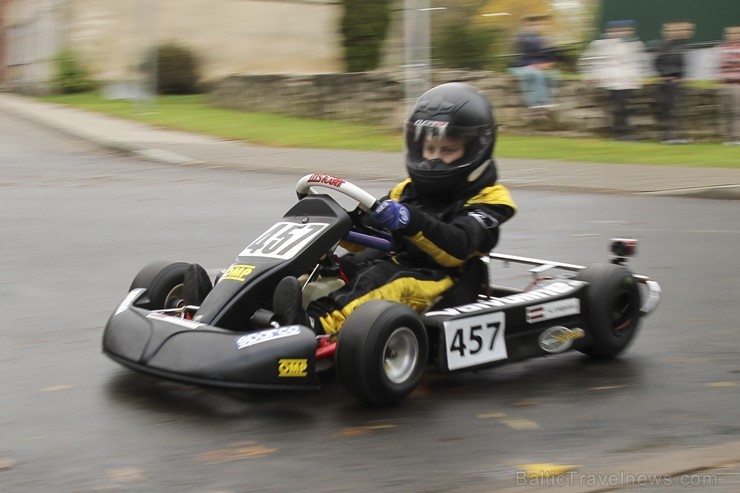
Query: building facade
[110,39]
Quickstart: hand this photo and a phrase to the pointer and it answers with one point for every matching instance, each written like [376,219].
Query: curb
[720,192]
[26,109]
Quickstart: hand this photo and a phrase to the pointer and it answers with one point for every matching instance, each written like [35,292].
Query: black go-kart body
[231,338]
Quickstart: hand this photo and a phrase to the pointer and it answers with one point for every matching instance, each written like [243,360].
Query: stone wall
[378,98]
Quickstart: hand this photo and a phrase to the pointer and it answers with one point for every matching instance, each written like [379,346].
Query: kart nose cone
[192,352]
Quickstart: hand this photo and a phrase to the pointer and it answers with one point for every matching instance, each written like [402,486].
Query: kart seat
[470,283]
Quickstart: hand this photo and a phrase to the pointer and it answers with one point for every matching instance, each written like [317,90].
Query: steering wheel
[366,203]
[305,186]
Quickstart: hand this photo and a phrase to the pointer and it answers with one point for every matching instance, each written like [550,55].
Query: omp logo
[292,367]
[326,180]
[267,335]
[237,272]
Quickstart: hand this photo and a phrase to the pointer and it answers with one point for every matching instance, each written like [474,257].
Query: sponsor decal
[188,324]
[554,309]
[554,289]
[332,181]
[237,272]
[293,367]
[484,219]
[558,339]
[431,123]
[267,335]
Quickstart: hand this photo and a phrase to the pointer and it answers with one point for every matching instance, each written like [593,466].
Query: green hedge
[364,28]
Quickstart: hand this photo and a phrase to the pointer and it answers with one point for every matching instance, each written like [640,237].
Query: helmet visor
[475,139]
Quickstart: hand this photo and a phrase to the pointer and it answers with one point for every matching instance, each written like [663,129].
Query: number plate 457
[476,340]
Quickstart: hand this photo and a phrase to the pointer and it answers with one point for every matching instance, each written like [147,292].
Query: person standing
[670,64]
[729,76]
[616,63]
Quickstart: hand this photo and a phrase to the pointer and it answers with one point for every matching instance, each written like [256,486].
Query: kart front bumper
[183,350]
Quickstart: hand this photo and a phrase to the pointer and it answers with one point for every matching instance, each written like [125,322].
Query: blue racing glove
[391,215]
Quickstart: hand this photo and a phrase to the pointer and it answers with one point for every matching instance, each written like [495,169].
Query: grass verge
[192,113]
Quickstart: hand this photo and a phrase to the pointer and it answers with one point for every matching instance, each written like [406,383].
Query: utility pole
[147,15]
[416,49]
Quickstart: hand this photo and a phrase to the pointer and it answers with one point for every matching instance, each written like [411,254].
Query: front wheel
[163,282]
[612,311]
[382,352]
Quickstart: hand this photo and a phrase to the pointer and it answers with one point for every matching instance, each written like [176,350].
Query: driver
[445,216]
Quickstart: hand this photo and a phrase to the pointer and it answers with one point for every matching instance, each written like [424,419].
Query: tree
[456,41]
[364,28]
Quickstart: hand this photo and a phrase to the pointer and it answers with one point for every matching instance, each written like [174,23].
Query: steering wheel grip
[305,185]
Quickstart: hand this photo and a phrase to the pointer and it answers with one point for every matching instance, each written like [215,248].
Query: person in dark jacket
[445,216]
[534,66]
[670,64]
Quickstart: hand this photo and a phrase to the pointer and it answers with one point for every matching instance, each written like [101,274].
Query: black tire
[382,352]
[163,281]
[612,309]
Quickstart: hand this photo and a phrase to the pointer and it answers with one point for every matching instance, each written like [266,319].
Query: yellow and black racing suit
[438,241]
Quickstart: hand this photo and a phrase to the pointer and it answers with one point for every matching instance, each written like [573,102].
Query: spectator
[534,66]
[616,63]
[729,76]
[670,64]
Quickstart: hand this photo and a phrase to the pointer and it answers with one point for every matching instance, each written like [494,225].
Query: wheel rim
[621,311]
[174,298]
[400,355]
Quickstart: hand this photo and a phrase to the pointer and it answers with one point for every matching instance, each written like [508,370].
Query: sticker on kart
[476,340]
[284,240]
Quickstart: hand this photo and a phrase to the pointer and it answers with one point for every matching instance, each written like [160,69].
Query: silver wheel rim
[174,298]
[400,355]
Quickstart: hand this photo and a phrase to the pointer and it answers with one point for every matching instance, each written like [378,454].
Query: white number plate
[283,240]
[475,340]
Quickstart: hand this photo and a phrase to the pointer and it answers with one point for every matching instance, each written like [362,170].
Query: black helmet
[457,110]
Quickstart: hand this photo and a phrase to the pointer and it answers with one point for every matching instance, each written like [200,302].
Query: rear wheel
[382,352]
[612,311]
[163,282]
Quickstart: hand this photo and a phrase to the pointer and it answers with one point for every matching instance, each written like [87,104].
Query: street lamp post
[416,49]
[146,21]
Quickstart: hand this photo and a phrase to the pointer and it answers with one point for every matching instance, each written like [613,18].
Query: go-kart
[224,333]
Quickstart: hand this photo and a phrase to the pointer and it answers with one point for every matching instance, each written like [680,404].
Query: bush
[364,28]
[465,45]
[69,75]
[178,69]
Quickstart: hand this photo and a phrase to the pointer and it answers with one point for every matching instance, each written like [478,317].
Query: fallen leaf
[57,388]
[125,474]
[519,424]
[491,415]
[240,453]
[607,387]
[545,470]
[362,430]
